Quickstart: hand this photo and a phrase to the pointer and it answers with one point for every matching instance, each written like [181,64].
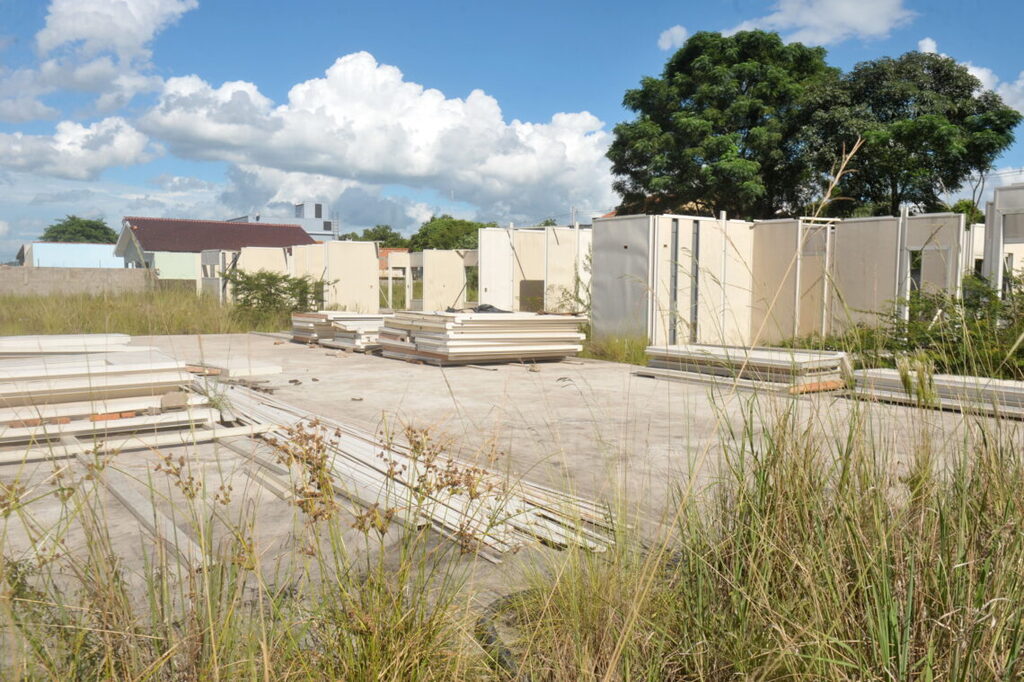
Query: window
[978,262]
[328,226]
[318,210]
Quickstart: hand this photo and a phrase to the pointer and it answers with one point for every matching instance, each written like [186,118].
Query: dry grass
[138,313]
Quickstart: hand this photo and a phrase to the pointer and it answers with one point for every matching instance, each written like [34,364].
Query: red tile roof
[193,236]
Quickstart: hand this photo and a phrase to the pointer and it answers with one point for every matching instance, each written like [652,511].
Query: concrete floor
[582,425]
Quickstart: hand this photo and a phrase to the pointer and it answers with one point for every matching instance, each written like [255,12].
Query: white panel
[495,248]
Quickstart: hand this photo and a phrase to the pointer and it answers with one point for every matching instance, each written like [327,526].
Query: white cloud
[96,26]
[827,22]
[364,122]
[673,38]
[93,46]
[76,151]
[1012,92]
[4,227]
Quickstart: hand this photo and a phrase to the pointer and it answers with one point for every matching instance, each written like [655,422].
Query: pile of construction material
[65,344]
[480,338]
[415,484]
[800,370]
[311,327]
[55,405]
[967,394]
[338,329]
[356,332]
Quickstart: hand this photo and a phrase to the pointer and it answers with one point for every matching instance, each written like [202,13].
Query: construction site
[476,425]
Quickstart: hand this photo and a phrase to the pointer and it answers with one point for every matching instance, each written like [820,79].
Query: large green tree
[386,235]
[446,232]
[721,128]
[75,229]
[927,126]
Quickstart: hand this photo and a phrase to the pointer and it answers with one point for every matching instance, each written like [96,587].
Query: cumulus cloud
[121,26]
[1012,92]
[75,151]
[93,46]
[673,38]
[827,22]
[363,122]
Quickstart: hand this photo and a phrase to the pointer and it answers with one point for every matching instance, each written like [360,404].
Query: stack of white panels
[475,338]
[311,327]
[356,332]
[777,365]
[64,344]
[970,394]
[89,377]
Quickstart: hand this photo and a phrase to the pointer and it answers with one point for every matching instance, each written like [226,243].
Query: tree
[384,234]
[446,232]
[927,127]
[721,128]
[969,209]
[75,229]
[548,222]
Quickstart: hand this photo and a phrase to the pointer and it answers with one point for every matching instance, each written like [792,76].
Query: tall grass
[806,559]
[137,313]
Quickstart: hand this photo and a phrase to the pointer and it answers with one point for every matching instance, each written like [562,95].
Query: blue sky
[386,111]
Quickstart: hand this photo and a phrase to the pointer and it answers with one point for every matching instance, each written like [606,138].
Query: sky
[387,112]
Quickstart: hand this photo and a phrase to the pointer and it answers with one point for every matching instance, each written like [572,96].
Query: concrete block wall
[23,281]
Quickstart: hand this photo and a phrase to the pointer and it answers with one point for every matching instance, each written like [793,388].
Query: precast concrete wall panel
[444,280]
[528,266]
[495,246]
[939,237]
[814,273]
[560,267]
[773,312]
[352,270]
[620,291]
[268,259]
[864,271]
[724,282]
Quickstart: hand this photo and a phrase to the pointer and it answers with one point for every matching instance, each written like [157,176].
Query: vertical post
[673,294]
[796,276]
[694,280]
[724,275]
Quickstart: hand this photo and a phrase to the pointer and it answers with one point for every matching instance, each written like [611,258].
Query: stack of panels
[969,394]
[311,327]
[88,378]
[356,332]
[476,338]
[775,365]
[64,344]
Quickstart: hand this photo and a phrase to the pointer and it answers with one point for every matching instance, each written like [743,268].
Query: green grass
[616,349]
[139,313]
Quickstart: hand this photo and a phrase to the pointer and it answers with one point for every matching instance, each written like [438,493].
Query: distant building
[68,255]
[172,247]
[311,217]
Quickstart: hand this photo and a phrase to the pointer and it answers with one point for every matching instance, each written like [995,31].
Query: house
[171,246]
[68,255]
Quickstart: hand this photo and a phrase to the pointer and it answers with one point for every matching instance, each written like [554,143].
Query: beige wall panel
[725,282]
[864,271]
[527,261]
[774,281]
[561,285]
[444,280]
[353,268]
[310,261]
[270,259]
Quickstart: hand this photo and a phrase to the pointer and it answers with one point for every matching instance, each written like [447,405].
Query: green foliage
[446,232]
[383,234]
[978,334]
[75,229]
[547,222]
[264,293]
[969,209]
[721,128]
[926,124]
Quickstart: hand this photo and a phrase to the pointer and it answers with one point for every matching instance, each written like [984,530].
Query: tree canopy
[446,232]
[754,126]
[969,209]
[720,129]
[75,229]
[927,126]
[386,235]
